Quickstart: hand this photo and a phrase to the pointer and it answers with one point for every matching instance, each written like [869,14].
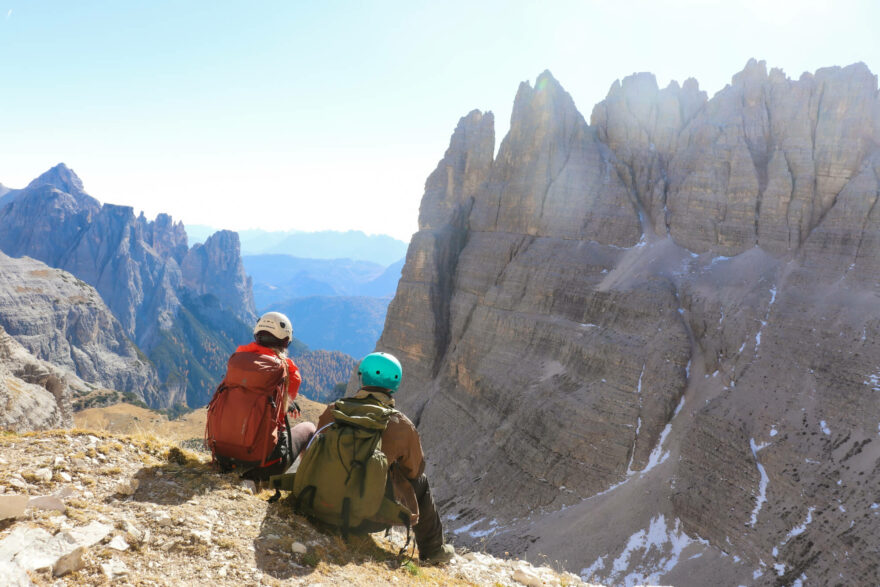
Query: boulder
[12,506]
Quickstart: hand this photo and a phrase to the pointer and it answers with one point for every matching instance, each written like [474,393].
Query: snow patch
[825,428]
[467,527]
[657,455]
[798,530]
[679,408]
[588,572]
[719,259]
[874,381]
[648,555]
[493,527]
[773,432]
[756,448]
[762,486]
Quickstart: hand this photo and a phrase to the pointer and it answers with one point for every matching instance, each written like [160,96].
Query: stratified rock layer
[657,330]
[61,319]
[34,394]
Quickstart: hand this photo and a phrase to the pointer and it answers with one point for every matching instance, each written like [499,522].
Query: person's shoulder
[401,418]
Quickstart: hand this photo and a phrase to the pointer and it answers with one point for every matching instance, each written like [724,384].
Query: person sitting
[247,427]
[380,375]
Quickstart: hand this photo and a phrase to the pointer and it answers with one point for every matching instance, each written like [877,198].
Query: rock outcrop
[61,319]
[663,323]
[216,262]
[135,265]
[35,394]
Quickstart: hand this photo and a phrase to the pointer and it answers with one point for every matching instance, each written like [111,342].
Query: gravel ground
[169,519]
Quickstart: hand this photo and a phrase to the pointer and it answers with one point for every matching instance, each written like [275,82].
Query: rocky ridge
[64,321]
[154,284]
[663,322]
[79,507]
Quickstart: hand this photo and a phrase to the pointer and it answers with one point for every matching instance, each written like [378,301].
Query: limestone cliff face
[135,265]
[425,286]
[661,323]
[34,394]
[215,263]
[61,319]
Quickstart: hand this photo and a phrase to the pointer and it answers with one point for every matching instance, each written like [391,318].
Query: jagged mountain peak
[62,177]
[547,91]
[475,128]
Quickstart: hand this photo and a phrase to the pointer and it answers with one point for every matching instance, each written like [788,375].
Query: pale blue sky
[330,115]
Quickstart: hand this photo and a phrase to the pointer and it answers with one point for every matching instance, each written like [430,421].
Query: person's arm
[294,379]
[412,459]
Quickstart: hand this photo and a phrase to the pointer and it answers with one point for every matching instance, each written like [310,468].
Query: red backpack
[242,426]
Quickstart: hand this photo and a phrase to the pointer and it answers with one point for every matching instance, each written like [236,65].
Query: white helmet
[276,324]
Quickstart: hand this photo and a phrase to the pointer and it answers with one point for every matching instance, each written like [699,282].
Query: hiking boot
[441,556]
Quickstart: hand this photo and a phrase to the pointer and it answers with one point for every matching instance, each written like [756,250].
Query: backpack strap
[315,435]
[274,481]
[286,379]
[280,407]
[306,497]
[404,517]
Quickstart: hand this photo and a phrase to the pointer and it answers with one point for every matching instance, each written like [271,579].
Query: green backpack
[343,476]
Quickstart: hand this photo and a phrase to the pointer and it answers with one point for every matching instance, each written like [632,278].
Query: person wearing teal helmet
[380,370]
[380,375]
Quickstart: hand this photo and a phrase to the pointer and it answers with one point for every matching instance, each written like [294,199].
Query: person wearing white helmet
[272,335]
[273,330]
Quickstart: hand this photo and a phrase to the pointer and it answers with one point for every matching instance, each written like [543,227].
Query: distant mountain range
[277,278]
[348,324]
[328,244]
[335,304]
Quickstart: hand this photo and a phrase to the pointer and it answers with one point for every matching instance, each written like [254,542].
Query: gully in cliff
[362,446]
[247,427]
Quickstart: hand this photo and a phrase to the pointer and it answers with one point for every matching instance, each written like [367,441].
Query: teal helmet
[380,370]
